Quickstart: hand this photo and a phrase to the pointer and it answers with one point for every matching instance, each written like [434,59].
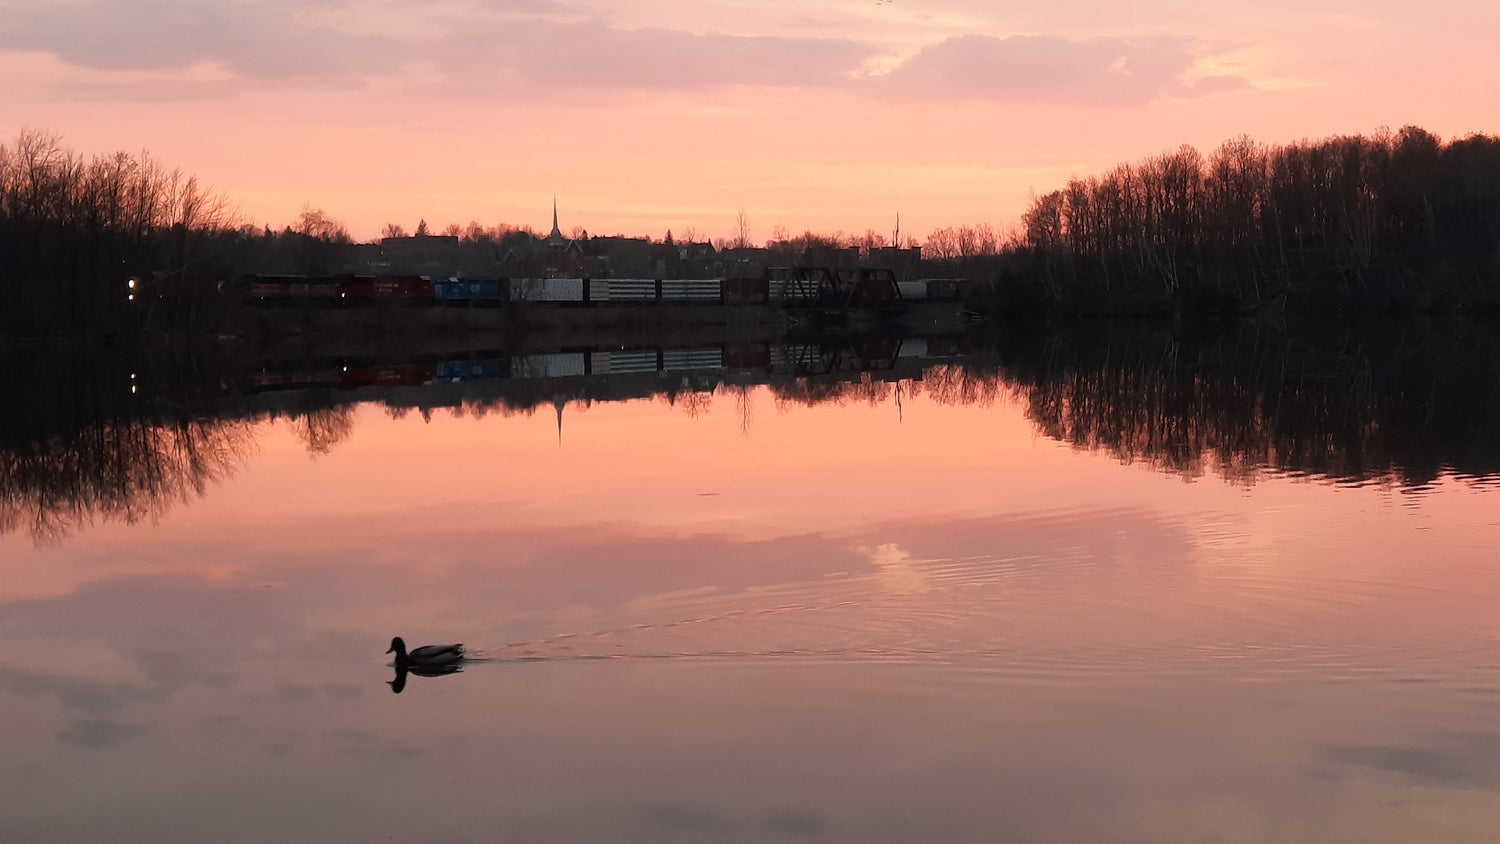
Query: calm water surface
[731,618]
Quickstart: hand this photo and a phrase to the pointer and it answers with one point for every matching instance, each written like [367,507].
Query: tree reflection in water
[122,470]
[1406,404]
[1350,408]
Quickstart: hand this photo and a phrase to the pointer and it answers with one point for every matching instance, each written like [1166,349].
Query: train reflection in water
[634,370]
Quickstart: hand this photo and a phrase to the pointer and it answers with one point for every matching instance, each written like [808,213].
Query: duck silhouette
[426,656]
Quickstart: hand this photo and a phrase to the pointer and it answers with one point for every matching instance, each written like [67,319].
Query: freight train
[351,290]
[803,286]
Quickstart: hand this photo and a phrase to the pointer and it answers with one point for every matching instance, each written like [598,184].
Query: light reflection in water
[926,626]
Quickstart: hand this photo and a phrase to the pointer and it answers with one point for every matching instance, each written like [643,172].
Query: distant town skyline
[669,114]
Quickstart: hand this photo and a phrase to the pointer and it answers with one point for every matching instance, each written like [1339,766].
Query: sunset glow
[669,115]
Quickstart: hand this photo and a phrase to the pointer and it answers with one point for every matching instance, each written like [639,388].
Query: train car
[549,365]
[289,290]
[386,375]
[325,378]
[916,290]
[746,291]
[546,289]
[690,359]
[755,357]
[944,289]
[456,371]
[931,289]
[622,289]
[402,289]
[623,361]
[652,290]
[470,291]
[692,290]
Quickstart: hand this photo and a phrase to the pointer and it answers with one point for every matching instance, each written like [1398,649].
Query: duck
[426,656]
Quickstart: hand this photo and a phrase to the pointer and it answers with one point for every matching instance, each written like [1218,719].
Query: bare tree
[316,223]
[320,430]
[941,244]
[741,229]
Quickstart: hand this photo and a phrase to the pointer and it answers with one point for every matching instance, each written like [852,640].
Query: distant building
[525,254]
[418,247]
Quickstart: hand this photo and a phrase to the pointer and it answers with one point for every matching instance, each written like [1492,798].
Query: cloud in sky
[260,43]
[528,50]
[1049,68]
[257,40]
[649,114]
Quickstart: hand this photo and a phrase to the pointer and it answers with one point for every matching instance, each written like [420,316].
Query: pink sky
[670,114]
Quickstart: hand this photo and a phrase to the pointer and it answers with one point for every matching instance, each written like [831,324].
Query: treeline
[1392,222]
[1397,222]
[75,232]
[502,234]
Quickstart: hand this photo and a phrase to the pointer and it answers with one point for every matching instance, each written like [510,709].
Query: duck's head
[398,647]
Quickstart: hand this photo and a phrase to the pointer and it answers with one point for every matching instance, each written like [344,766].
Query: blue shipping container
[467,289]
[468,370]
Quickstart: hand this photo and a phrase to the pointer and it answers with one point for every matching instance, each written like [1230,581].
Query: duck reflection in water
[425,661]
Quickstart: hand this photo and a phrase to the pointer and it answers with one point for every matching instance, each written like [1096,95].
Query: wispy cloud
[597,55]
[1048,68]
[530,49]
[255,40]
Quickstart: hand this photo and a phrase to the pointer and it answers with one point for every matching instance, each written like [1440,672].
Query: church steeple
[556,236]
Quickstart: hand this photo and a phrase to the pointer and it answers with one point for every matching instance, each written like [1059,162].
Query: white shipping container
[557,365]
[914,347]
[634,360]
[632,289]
[691,288]
[693,359]
[912,289]
[546,289]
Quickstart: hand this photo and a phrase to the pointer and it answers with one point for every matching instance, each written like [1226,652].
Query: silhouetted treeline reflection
[116,433]
[128,470]
[1393,401]
[128,436]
